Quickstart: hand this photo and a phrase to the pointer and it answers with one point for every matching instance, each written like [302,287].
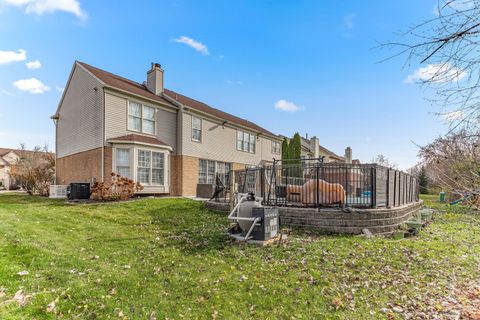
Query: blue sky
[313,59]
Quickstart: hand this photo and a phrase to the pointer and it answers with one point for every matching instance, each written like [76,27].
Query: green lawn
[170,258]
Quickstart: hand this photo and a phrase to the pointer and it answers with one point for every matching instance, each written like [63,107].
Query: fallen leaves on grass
[52,306]
[19,298]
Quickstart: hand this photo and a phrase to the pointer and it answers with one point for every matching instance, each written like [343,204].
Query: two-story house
[168,142]
[8,158]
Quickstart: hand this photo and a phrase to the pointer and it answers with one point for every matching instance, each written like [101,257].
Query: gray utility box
[267,227]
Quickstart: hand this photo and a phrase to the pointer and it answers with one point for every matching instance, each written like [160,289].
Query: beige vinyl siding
[80,121]
[167,127]
[220,143]
[116,118]
[267,154]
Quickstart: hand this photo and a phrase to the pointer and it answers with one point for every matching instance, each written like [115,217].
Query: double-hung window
[134,116]
[158,168]
[246,142]
[276,147]
[151,167]
[141,118]
[143,166]
[148,120]
[123,162]
[196,129]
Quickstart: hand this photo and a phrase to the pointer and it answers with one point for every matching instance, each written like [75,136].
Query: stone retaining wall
[218,206]
[329,220]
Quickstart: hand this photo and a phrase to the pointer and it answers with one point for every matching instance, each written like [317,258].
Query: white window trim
[279,147]
[201,129]
[165,171]
[249,139]
[129,162]
[114,159]
[215,171]
[134,163]
[141,118]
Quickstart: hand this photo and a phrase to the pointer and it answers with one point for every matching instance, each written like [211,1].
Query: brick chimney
[155,79]
[348,155]
[315,144]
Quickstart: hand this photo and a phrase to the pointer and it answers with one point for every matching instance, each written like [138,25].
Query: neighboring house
[8,158]
[8,161]
[312,149]
[168,142]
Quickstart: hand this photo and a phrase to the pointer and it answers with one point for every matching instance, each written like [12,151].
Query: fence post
[395,188]
[374,187]
[347,170]
[262,184]
[317,193]
[232,189]
[387,204]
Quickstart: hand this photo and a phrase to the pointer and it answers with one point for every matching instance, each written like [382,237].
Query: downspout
[179,144]
[56,150]
[55,119]
[103,136]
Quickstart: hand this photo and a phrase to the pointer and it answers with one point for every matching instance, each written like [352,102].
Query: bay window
[141,118]
[158,166]
[122,160]
[143,166]
[151,167]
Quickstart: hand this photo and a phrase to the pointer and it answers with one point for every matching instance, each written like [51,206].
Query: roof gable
[124,84]
[121,83]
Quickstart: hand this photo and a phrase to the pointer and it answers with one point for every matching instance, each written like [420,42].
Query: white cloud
[59,89]
[35,64]
[453,116]
[287,106]
[349,20]
[32,85]
[197,45]
[438,73]
[12,56]
[40,7]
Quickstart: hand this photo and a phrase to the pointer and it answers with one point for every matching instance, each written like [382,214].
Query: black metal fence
[312,183]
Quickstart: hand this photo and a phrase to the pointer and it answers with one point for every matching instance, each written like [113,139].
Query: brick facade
[84,166]
[184,175]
